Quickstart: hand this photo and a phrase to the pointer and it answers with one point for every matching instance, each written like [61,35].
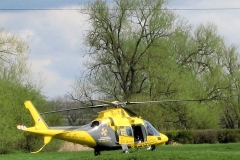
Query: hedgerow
[204,136]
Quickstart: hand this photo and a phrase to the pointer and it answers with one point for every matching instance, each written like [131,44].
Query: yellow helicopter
[114,128]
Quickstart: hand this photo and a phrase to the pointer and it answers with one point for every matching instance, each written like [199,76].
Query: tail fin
[39,122]
[40,125]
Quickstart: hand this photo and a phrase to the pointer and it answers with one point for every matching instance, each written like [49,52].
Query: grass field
[167,152]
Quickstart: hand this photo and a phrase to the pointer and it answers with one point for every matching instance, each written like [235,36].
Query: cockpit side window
[95,123]
[151,131]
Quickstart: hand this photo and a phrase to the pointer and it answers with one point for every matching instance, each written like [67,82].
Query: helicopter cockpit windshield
[151,131]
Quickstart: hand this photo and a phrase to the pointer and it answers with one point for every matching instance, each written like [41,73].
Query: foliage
[183,137]
[120,40]
[204,136]
[14,113]
[15,88]
[140,51]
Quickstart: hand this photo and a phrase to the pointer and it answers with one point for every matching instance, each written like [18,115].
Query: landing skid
[152,148]
[97,152]
[125,148]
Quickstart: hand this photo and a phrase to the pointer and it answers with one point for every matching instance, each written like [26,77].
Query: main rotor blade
[71,109]
[114,103]
[187,100]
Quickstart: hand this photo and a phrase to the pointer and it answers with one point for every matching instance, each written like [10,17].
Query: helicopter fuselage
[116,128]
[112,129]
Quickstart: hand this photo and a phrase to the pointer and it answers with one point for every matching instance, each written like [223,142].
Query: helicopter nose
[164,138]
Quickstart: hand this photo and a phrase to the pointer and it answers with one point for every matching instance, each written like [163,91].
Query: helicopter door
[125,135]
[140,134]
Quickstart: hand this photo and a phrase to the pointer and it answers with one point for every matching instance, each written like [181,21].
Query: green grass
[180,152]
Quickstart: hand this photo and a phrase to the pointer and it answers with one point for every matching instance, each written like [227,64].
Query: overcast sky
[56,36]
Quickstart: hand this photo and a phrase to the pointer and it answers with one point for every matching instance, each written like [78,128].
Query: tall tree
[230,94]
[13,57]
[121,36]
[141,51]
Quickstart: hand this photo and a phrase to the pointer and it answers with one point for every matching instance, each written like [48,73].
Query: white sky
[56,36]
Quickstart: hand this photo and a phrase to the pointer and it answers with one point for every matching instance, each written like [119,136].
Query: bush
[204,136]
[184,137]
[13,113]
[229,135]
[171,136]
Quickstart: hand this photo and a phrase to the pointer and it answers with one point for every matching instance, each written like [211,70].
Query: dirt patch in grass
[174,143]
[69,146]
